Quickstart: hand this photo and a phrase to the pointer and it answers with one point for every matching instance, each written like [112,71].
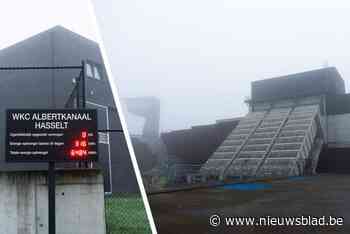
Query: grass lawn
[126,214]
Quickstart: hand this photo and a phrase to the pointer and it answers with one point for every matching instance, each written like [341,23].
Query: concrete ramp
[275,140]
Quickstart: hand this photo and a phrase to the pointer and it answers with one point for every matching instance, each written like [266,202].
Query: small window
[93,71]
[89,72]
[97,73]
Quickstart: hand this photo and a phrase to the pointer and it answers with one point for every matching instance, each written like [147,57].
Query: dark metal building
[314,107]
[195,145]
[52,88]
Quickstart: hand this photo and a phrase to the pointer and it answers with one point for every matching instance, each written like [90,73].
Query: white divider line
[122,120]
[109,145]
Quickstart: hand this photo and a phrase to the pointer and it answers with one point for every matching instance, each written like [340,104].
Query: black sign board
[51,135]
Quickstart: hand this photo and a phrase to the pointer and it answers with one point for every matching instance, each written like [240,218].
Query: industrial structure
[147,144]
[149,109]
[297,125]
[285,130]
[52,89]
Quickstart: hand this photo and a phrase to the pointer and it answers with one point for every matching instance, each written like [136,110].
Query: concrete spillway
[276,139]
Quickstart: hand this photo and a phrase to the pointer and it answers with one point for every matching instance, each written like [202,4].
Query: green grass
[126,214]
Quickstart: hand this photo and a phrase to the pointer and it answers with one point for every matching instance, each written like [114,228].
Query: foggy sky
[22,19]
[199,57]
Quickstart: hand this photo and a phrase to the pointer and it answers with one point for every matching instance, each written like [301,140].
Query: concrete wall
[338,130]
[310,83]
[79,202]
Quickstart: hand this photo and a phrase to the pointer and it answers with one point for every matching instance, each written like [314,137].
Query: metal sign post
[52,197]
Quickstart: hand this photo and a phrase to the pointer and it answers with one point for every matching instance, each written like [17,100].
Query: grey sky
[199,57]
[21,19]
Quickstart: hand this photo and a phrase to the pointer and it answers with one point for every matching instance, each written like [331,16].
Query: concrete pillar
[79,202]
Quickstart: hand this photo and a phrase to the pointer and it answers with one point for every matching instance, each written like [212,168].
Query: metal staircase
[276,140]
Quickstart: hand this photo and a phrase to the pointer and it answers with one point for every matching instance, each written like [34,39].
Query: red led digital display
[80,147]
[61,135]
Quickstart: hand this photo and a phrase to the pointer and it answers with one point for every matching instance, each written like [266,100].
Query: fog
[199,57]
[22,19]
